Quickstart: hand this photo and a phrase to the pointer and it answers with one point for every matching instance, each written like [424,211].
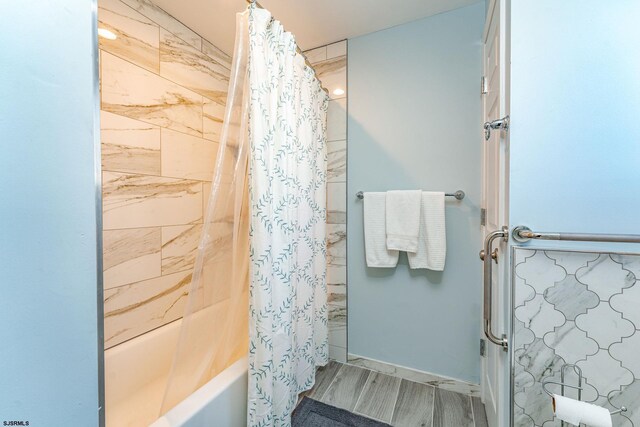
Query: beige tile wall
[330,63]
[163,90]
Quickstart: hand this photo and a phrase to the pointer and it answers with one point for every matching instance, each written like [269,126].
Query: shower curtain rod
[306,61]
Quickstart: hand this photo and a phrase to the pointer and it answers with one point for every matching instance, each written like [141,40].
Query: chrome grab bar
[488,303]
[524,234]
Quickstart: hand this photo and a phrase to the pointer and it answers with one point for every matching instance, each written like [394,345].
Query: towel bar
[523,234]
[458,195]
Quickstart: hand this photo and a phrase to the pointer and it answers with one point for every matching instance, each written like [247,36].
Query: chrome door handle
[488,302]
[502,124]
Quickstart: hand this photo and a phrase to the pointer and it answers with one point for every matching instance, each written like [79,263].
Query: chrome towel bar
[524,234]
[458,195]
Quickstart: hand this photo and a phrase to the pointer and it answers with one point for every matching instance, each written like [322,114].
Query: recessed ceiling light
[338,92]
[103,32]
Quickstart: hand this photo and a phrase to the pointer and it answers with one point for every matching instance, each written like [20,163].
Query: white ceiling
[313,22]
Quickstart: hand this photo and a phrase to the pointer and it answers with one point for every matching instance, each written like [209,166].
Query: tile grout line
[473,415]
[130,61]
[362,391]
[155,125]
[159,226]
[156,23]
[321,398]
[433,408]
[170,81]
[202,114]
[158,74]
[150,330]
[159,44]
[225,79]
[151,278]
[160,150]
[155,176]
[360,396]
[395,401]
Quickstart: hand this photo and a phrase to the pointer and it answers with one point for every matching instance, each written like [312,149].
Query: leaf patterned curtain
[287,191]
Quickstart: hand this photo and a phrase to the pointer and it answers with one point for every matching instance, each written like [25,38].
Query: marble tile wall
[330,63]
[163,91]
[576,308]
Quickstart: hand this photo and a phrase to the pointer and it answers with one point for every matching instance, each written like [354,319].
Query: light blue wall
[49,295]
[575,108]
[414,122]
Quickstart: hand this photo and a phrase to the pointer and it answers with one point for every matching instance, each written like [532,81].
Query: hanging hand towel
[403,220]
[375,238]
[432,243]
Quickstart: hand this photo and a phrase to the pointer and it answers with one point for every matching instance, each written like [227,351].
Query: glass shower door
[575,308]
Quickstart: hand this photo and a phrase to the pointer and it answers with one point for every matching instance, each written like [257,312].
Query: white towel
[576,412]
[432,244]
[403,220]
[375,237]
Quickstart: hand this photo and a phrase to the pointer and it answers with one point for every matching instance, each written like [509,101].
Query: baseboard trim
[415,375]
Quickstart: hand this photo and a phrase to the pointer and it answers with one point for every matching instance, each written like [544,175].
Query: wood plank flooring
[479,414]
[378,397]
[452,409]
[399,402]
[346,387]
[414,406]
[324,377]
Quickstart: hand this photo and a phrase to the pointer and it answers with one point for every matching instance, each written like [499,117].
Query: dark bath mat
[311,413]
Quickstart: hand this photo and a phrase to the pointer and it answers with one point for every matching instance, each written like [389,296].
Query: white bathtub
[136,375]
[222,402]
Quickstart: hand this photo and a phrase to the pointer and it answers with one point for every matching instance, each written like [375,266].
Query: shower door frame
[495,386]
[99,213]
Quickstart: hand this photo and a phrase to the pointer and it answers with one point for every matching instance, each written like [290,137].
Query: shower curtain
[259,281]
[214,327]
[287,190]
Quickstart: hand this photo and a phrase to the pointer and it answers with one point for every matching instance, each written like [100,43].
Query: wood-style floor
[395,401]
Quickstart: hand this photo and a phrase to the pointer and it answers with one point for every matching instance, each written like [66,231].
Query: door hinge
[483,347]
[483,86]
[483,217]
